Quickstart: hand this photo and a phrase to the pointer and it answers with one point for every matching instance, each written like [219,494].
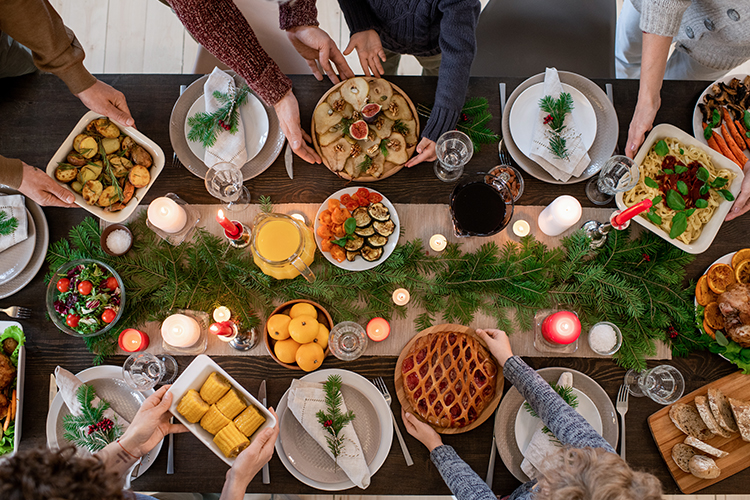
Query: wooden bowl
[105,235]
[323,317]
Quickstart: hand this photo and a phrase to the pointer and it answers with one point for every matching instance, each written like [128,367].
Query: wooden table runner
[418,221]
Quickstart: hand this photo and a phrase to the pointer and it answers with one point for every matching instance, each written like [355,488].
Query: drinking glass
[225,182]
[454,149]
[347,341]
[143,371]
[619,174]
[663,384]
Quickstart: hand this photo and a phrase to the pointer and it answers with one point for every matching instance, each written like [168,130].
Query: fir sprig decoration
[204,127]
[473,120]
[333,419]
[7,224]
[557,110]
[565,392]
[266,205]
[90,430]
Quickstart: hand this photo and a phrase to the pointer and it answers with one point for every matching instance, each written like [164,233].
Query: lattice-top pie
[449,378]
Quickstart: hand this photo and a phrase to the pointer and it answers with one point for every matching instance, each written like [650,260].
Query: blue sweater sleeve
[566,424]
[358,15]
[463,482]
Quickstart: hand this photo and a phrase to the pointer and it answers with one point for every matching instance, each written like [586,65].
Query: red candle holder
[223,329]
[132,340]
[378,329]
[556,331]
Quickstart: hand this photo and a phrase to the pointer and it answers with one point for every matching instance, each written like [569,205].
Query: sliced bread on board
[705,447]
[741,411]
[703,467]
[681,454]
[701,403]
[721,410]
[689,421]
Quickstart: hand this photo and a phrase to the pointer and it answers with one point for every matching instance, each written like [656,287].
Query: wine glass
[143,371]
[663,384]
[225,182]
[347,341]
[454,149]
[619,174]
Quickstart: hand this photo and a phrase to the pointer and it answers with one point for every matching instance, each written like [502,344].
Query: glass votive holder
[347,340]
[193,218]
[605,338]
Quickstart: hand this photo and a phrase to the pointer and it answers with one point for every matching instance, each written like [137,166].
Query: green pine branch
[333,419]
[7,224]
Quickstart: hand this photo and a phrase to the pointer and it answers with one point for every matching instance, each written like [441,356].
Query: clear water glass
[454,149]
[347,340]
[663,384]
[619,174]
[225,182]
[143,371]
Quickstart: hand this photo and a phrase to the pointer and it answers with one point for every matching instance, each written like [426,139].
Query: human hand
[421,431]
[251,460]
[43,189]
[742,203]
[150,424]
[369,50]
[643,120]
[287,109]
[108,101]
[317,47]
[425,152]
[498,343]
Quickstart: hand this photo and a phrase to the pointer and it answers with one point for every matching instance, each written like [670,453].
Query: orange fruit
[703,294]
[712,315]
[286,350]
[303,329]
[278,326]
[322,338]
[720,276]
[310,356]
[709,331]
[742,272]
[303,309]
[740,256]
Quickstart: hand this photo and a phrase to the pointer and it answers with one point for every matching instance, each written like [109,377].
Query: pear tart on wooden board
[447,377]
[667,435]
[365,129]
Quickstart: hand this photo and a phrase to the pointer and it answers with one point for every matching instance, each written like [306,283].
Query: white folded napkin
[228,148]
[542,444]
[67,386]
[305,400]
[14,206]
[578,159]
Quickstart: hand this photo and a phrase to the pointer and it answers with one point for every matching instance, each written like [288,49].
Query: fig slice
[371,111]
[359,130]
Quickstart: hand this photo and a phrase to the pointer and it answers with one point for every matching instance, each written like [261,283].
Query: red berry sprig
[548,119]
[224,125]
[672,332]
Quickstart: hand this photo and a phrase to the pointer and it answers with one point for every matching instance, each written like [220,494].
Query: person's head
[44,474]
[593,474]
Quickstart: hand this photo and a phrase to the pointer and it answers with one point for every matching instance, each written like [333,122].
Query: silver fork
[380,384]
[17,312]
[622,409]
[503,153]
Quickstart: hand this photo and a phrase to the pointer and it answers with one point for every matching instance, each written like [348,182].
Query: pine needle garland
[333,419]
[204,127]
[557,110]
[473,120]
[90,430]
[7,224]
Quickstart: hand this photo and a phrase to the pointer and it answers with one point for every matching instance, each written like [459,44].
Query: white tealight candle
[179,330]
[559,215]
[167,215]
[222,313]
[438,242]
[521,228]
[401,296]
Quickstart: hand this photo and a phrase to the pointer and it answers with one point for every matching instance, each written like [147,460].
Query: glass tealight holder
[541,344]
[200,345]
[347,341]
[193,218]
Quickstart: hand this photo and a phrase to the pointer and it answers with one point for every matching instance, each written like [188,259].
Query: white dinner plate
[110,387]
[382,418]
[254,119]
[525,112]
[359,264]
[13,260]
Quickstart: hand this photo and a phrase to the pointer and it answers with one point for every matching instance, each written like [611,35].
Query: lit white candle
[438,242]
[559,215]
[521,228]
[401,296]
[167,215]
[179,330]
[222,313]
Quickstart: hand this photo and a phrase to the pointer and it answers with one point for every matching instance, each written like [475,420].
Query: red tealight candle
[222,329]
[561,328]
[132,340]
[230,228]
[378,329]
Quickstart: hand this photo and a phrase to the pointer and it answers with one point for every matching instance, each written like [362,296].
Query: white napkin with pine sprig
[228,148]
[13,217]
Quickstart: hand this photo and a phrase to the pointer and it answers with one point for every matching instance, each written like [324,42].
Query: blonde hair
[593,474]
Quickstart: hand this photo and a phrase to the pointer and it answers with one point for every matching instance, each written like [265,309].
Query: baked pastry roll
[231,441]
[249,420]
[214,388]
[192,406]
[214,421]
[231,404]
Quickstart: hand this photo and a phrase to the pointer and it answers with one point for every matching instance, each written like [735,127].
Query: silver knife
[170,451]
[491,466]
[262,390]
[52,388]
[288,162]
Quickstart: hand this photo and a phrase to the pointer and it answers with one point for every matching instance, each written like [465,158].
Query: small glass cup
[593,344]
[619,174]
[143,371]
[663,384]
[454,149]
[347,341]
[225,182]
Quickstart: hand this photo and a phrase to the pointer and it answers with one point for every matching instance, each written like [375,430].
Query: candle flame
[177,330]
[221,214]
[164,211]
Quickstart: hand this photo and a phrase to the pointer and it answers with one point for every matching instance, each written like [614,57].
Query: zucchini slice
[379,212]
[371,254]
[362,217]
[365,231]
[350,256]
[354,244]
[384,228]
[377,241]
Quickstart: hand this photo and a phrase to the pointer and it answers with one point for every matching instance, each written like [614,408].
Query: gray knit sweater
[716,33]
[426,28]
[569,427]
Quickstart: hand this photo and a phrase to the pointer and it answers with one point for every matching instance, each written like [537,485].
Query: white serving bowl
[67,146]
[710,230]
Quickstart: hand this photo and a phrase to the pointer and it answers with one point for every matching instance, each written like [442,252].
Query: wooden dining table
[38,113]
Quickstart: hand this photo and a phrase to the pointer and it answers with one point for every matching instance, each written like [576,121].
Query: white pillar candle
[438,242]
[559,215]
[179,330]
[167,215]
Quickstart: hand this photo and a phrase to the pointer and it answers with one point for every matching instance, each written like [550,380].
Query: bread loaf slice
[741,412]
[689,421]
[703,467]
[701,403]
[705,447]
[681,454]
[721,410]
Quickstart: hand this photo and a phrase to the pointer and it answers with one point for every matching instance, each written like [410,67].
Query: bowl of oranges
[297,334]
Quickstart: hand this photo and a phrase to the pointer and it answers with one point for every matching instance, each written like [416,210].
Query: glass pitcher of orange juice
[282,247]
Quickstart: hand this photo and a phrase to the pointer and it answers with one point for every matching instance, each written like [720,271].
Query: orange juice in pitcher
[283,247]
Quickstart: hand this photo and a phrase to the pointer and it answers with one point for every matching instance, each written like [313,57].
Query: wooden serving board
[666,435]
[399,379]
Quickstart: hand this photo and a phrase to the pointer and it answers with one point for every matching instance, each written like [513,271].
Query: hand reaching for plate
[151,424]
[423,432]
[425,152]
[287,109]
[369,50]
[742,203]
[317,47]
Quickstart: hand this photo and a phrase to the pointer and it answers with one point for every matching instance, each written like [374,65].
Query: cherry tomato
[375,198]
[345,199]
[72,320]
[84,287]
[363,201]
[108,315]
[362,193]
[63,284]
[112,283]
[351,205]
